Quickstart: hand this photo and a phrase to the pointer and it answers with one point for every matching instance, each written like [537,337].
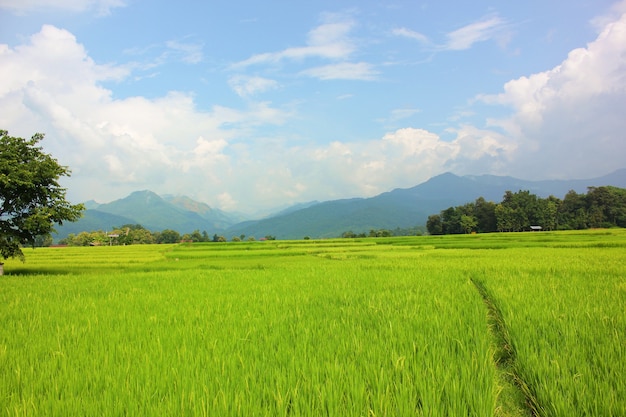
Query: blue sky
[253,105]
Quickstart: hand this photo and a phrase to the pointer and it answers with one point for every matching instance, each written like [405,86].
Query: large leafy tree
[31,199]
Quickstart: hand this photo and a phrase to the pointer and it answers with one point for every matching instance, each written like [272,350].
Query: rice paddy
[510,324]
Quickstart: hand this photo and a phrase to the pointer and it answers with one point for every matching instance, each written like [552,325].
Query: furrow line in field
[516,397]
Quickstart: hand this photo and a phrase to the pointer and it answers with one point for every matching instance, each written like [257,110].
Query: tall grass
[565,312]
[370,327]
[283,333]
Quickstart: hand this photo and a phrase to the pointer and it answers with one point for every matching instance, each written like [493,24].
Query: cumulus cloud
[51,85]
[614,13]
[572,114]
[102,7]
[227,202]
[560,120]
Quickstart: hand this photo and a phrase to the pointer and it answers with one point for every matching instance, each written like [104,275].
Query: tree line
[600,207]
[398,231]
[136,234]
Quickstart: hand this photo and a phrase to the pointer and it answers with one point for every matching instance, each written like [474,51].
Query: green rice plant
[303,335]
[564,309]
[350,327]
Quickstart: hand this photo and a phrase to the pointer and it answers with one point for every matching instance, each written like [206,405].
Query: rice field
[510,324]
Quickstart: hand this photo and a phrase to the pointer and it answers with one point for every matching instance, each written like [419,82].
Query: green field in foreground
[510,324]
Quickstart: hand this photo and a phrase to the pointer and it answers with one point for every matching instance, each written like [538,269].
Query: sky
[249,106]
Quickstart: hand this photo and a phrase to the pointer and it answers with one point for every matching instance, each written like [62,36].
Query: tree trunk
[1,268]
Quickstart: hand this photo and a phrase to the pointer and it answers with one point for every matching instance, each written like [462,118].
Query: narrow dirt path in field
[515,396]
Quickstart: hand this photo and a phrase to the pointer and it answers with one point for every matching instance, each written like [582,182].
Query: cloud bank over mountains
[564,122]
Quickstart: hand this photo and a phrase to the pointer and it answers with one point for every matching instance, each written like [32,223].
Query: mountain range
[402,207]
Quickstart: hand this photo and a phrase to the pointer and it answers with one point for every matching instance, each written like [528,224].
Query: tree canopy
[600,207]
[31,198]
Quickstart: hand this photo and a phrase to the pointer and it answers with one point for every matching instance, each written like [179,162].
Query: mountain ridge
[398,208]
[407,207]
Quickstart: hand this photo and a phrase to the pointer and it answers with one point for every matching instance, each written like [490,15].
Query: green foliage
[129,234]
[168,236]
[468,223]
[398,231]
[471,217]
[31,199]
[600,207]
[434,225]
[379,233]
[387,326]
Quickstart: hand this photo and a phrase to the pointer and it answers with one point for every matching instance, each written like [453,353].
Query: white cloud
[399,114]
[401,158]
[569,120]
[246,86]
[411,34]
[616,10]
[227,202]
[115,146]
[488,28]
[563,121]
[343,71]
[189,52]
[59,50]
[150,57]
[102,7]
[480,31]
[328,41]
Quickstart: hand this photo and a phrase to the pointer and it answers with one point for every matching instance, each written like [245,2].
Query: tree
[485,213]
[168,236]
[132,234]
[606,206]
[31,199]
[451,221]
[468,223]
[505,218]
[550,209]
[573,212]
[196,236]
[433,225]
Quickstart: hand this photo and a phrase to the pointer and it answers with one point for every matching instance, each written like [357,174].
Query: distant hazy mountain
[218,219]
[91,205]
[402,207]
[153,212]
[407,207]
[92,220]
[295,207]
